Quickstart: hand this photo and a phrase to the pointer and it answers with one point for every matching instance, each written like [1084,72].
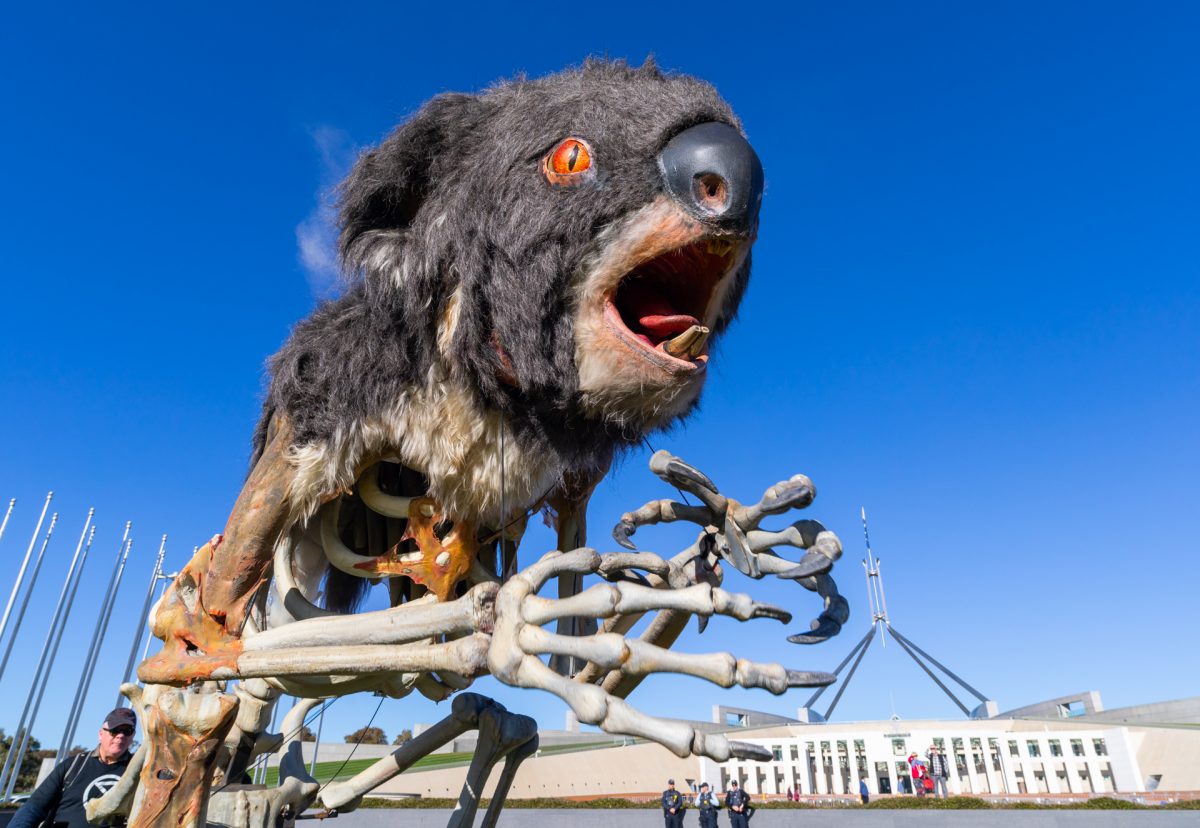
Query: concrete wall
[1170,753]
[1179,711]
[635,769]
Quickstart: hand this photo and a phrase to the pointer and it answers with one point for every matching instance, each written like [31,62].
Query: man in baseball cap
[59,800]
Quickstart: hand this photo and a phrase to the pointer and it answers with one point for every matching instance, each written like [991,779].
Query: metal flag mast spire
[880,623]
[879,616]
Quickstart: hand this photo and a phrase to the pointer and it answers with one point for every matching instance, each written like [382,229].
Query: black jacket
[62,794]
[672,798]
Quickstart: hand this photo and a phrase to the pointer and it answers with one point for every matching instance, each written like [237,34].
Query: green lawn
[327,771]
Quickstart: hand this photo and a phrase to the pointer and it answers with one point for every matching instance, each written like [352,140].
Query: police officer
[708,803]
[672,805]
[738,803]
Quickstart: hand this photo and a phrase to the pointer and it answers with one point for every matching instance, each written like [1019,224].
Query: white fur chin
[440,431]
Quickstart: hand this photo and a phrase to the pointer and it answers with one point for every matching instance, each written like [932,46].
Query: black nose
[715,174]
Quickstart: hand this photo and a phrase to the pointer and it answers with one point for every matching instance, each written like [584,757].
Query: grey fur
[454,198]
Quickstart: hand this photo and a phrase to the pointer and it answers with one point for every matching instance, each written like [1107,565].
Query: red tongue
[667,326]
[654,314]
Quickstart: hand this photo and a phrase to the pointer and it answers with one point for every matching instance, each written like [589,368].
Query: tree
[402,737]
[367,736]
[27,776]
[306,734]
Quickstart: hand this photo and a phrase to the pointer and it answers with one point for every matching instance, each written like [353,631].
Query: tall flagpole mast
[879,615]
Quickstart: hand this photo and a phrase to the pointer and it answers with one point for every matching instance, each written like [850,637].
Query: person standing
[707,803]
[59,800]
[863,791]
[939,769]
[915,766]
[672,805]
[738,802]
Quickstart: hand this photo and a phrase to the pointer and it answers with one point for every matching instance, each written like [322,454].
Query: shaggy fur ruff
[458,329]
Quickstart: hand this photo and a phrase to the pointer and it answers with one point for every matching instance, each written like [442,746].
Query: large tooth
[689,343]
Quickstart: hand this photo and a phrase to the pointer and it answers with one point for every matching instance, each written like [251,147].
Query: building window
[795,751]
[1077,747]
[1071,709]
[939,743]
[898,748]
[1013,749]
[958,744]
[1100,747]
[976,744]
[1033,748]
[777,752]
[882,778]
[1055,747]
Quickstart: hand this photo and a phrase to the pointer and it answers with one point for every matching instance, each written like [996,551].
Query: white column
[1008,766]
[1076,785]
[772,769]
[1051,774]
[993,776]
[1122,757]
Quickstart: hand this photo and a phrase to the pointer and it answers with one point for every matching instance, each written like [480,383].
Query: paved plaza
[801,818]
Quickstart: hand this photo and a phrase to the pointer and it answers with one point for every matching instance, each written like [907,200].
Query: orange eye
[572,156]
[568,160]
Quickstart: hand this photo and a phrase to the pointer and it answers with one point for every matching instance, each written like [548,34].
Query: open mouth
[661,304]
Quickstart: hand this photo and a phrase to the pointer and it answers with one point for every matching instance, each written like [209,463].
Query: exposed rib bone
[385,504]
[338,553]
[291,595]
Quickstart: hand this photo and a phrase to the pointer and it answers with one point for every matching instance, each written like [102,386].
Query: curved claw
[771,611]
[813,563]
[823,630]
[795,493]
[809,678]
[702,623]
[622,533]
[678,473]
[745,750]
[737,549]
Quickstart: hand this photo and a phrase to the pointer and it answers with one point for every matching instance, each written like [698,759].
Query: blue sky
[974,309]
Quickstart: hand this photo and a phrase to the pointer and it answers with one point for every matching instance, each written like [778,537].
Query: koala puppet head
[568,247]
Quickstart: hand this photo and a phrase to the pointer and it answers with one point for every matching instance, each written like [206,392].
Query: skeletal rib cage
[491,620]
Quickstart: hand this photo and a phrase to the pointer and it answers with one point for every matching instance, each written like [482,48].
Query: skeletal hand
[732,534]
[518,642]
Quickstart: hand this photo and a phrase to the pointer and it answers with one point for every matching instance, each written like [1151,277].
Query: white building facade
[991,756]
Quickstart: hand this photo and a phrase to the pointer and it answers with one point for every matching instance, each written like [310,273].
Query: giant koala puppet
[537,275]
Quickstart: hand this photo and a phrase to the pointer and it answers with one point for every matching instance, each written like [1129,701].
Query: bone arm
[466,656]
[464,716]
[411,621]
[258,518]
